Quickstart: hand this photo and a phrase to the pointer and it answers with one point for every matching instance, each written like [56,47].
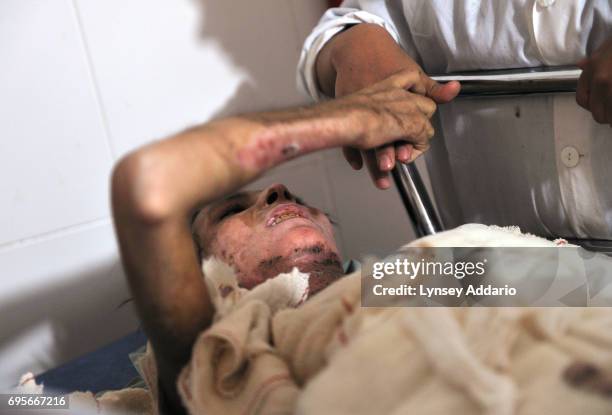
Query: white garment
[458,35]
[500,160]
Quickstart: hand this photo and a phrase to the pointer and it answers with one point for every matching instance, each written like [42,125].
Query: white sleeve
[332,22]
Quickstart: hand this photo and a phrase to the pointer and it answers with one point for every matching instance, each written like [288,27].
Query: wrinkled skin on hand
[358,67]
[594,92]
[389,112]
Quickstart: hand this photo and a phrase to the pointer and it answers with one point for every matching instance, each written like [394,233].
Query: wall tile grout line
[94,80]
[56,233]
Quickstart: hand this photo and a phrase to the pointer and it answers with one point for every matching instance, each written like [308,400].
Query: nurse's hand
[364,55]
[594,91]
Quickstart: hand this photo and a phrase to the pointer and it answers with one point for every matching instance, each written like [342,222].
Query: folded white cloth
[234,367]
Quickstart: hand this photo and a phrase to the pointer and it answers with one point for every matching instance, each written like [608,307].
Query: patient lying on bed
[234,336]
[174,192]
[269,352]
[329,355]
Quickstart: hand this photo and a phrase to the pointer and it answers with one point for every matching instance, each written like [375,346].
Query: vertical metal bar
[416,200]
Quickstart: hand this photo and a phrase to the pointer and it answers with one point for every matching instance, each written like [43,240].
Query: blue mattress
[107,368]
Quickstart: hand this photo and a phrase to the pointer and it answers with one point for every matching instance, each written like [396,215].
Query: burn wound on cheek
[270,262]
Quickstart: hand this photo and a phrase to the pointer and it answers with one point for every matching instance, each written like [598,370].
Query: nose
[277,193]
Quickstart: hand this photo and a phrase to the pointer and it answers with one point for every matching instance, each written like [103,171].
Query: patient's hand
[387,112]
[594,91]
[359,57]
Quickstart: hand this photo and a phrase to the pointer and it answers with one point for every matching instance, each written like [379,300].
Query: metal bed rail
[414,194]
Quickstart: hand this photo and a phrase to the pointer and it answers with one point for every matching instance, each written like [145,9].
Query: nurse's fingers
[441,93]
[583,88]
[385,157]
[353,156]
[597,103]
[380,178]
[418,82]
[404,79]
[582,63]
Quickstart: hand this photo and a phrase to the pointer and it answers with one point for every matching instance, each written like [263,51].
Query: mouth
[284,213]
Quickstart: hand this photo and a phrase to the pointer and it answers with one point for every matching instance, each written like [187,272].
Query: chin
[306,240]
[305,247]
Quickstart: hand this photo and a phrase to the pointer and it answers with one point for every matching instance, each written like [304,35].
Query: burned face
[262,234]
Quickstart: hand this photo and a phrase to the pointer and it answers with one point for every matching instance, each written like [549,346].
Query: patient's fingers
[401,96]
[380,178]
[403,151]
[388,115]
[392,125]
[394,122]
[353,156]
[418,151]
[385,157]
[416,128]
[410,102]
[426,105]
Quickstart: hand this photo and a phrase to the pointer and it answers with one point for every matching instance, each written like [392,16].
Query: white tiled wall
[54,148]
[84,81]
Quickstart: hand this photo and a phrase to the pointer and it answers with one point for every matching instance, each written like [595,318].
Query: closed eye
[231,210]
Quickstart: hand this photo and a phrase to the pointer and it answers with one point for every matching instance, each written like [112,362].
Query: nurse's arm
[366,53]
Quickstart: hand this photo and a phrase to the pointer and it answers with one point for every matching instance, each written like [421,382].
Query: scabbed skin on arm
[293,138]
[268,151]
